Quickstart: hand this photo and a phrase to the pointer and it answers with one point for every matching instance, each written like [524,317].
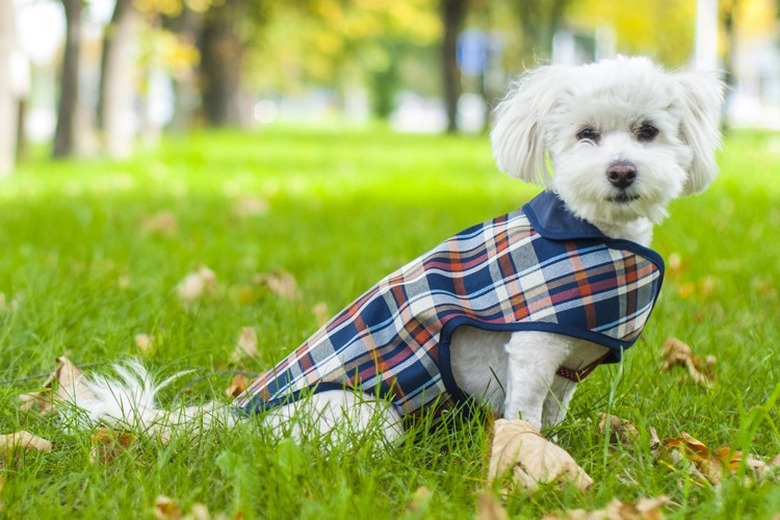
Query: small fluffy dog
[513,312]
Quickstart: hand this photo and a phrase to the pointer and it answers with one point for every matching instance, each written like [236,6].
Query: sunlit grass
[81,276]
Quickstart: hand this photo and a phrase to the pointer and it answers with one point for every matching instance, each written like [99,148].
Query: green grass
[345,208]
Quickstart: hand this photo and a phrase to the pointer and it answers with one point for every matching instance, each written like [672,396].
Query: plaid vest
[539,268]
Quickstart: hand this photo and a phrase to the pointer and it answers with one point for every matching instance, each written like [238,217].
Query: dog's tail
[129,401]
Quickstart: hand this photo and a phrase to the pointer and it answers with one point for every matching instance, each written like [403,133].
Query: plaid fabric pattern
[502,275]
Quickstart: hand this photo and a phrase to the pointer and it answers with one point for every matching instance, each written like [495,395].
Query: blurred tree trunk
[69,81]
[117,81]
[539,21]
[453,14]
[7,98]
[221,60]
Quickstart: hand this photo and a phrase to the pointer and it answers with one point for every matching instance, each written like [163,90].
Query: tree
[221,63]
[453,14]
[117,88]
[539,21]
[7,99]
[69,78]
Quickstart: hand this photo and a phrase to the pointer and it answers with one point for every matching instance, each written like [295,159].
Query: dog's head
[616,140]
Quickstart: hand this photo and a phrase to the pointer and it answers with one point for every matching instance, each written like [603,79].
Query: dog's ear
[702,99]
[520,119]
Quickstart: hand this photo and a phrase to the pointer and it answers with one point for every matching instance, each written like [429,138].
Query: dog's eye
[646,133]
[588,134]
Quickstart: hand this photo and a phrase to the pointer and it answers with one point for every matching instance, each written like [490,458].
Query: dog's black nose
[621,174]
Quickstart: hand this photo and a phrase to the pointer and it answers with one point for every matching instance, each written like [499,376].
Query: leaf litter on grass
[519,451]
[676,353]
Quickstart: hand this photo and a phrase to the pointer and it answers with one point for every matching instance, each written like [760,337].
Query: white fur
[535,138]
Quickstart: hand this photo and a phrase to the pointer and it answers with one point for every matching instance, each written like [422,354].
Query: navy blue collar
[548,215]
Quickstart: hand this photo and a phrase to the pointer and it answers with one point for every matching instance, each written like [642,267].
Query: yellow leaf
[520,451]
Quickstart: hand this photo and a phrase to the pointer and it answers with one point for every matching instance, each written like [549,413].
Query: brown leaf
[620,430]
[518,448]
[109,444]
[643,509]
[704,462]
[196,284]
[321,314]
[237,386]
[62,385]
[24,440]
[163,223]
[166,508]
[246,346]
[280,282]
[677,353]
[489,508]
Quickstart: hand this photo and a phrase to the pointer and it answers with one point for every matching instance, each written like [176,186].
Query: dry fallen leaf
[5,306]
[321,315]
[143,342]
[620,430]
[643,509]
[237,386]
[421,498]
[704,463]
[62,385]
[108,444]
[520,449]
[199,512]
[166,509]
[196,284]
[164,223]
[280,282]
[489,508]
[24,440]
[250,207]
[677,353]
[246,346]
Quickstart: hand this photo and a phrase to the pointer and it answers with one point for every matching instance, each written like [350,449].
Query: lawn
[93,250]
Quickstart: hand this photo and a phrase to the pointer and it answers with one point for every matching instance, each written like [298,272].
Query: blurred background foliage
[120,72]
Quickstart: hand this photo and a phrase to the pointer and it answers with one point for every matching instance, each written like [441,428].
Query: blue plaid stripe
[499,275]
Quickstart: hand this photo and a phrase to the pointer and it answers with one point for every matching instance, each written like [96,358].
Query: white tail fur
[130,401]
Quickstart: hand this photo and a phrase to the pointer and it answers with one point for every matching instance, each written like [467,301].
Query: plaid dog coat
[539,268]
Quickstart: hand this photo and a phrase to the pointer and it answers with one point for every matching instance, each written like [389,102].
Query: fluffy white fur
[568,129]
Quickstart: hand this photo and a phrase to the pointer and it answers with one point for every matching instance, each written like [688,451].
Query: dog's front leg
[532,358]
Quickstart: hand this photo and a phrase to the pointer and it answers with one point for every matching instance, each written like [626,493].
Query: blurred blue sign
[475,51]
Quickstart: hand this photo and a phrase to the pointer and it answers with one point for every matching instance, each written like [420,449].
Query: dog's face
[623,137]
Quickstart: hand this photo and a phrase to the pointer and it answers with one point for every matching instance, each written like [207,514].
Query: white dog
[515,311]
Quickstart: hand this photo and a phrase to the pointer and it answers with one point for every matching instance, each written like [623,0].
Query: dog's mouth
[623,198]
